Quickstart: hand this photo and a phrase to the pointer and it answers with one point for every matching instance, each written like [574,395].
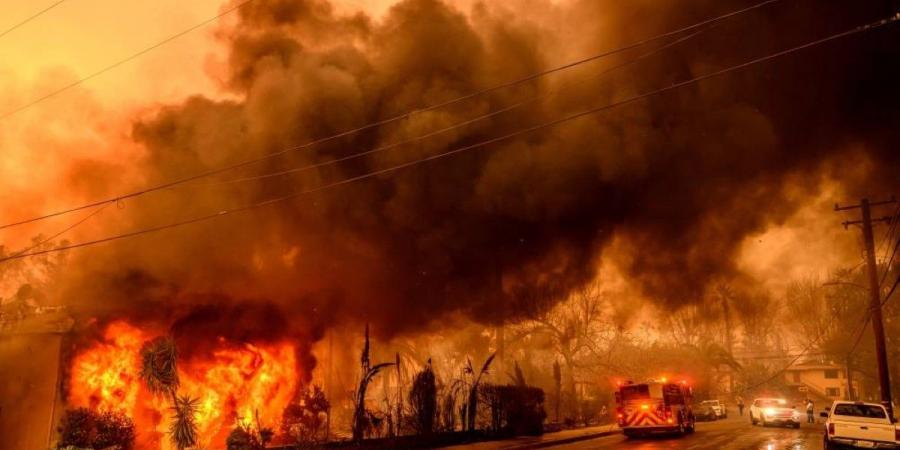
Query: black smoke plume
[681,178]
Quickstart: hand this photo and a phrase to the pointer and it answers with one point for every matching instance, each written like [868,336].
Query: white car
[716,406]
[773,411]
[859,425]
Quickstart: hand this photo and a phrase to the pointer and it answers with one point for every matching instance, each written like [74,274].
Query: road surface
[734,433]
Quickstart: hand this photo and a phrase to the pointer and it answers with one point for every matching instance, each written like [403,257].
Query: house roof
[802,367]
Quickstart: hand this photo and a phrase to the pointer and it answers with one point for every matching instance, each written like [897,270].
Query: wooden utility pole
[725,295]
[851,395]
[329,386]
[884,376]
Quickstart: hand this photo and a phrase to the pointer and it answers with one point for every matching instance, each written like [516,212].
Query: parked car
[859,425]
[774,411]
[705,413]
[717,406]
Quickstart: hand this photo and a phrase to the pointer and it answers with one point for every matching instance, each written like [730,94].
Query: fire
[106,377]
[241,383]
[237,382]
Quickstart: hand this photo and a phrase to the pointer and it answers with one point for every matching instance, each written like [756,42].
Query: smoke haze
[679,182]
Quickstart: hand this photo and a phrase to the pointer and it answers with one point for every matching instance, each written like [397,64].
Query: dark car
[705,413]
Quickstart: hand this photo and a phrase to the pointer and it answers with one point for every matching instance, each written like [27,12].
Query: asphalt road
[734,433]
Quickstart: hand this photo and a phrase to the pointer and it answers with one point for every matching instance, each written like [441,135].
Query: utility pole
[725,295]
[884,376]
[851,395]
[329,386]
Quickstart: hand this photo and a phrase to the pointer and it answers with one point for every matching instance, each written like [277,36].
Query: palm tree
[184,426]
[158,366]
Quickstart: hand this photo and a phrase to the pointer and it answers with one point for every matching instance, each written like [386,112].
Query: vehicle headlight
[769,411]
[796,415]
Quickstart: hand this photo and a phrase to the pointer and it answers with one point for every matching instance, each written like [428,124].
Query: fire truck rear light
[621,415]
[670,421]
[645,406]
[830,428]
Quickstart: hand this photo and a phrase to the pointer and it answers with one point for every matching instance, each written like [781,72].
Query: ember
[246,383]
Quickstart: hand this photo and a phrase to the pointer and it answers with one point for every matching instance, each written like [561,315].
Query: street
[734,433]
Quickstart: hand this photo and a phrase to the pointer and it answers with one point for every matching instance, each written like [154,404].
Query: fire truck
[654,407]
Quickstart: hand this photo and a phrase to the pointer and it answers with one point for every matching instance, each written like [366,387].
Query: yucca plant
[472,402]
[448,409]
[368,372]
[158,366]
[183,429]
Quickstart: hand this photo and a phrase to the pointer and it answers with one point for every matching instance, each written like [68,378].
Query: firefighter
[810,418]
[740,405]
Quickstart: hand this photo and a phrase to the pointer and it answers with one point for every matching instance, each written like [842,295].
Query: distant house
[822,381]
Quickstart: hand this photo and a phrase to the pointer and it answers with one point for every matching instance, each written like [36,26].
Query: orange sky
[80,36]
[92,121]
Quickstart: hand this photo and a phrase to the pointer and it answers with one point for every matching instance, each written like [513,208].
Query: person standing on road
[810,418]
[740,405]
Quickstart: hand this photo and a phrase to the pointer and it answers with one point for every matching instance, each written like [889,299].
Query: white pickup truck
[859,425]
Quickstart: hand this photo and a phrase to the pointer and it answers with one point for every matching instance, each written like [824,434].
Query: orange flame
[106,376]
[237,382]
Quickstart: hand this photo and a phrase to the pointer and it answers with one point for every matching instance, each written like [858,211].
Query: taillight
[831,428]
[897,434]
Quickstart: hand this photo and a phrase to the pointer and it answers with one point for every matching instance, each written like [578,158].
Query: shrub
[515,410]
[77,429]
[241,438]
[84,428]
[114,430]
[304,420]
[423,401]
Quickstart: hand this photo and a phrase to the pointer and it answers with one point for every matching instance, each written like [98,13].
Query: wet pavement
[734,433]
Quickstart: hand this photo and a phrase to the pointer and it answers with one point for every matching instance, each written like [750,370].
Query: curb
[563,441]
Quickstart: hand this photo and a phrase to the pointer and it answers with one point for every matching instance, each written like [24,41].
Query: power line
[805,351]
[349,132]
[62,232]
[888,236]
[869,316]
[859,334]
[886,241]
[30,18]
[542,126]
[449,127]
[887,266]
[790,364]
[890,260]
[120,62]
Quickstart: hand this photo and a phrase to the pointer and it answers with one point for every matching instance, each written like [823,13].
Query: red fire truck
[654,407]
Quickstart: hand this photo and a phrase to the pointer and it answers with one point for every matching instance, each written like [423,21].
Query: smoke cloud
[679,181]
